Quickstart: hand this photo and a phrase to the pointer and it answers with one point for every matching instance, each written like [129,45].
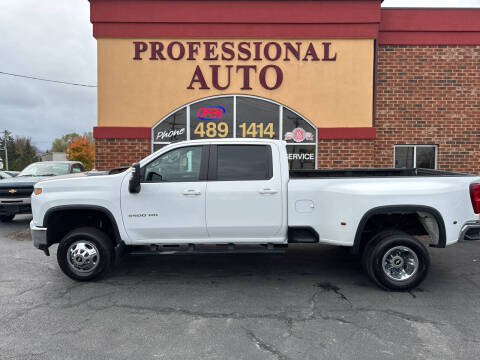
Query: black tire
[384,243]
[6,218]
[87,239]
[367,251]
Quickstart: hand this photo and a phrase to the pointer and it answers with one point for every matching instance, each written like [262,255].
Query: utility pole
[5,148]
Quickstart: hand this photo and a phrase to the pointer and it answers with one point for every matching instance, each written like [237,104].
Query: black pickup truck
[15,191]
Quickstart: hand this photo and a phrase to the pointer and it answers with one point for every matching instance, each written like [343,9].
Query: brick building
[345,83]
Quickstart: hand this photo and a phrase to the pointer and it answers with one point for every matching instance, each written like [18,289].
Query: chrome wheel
[400,263]
[83,257]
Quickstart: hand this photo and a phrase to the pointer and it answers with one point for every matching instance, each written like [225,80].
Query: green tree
[21,152]
[61,144]
[27,153]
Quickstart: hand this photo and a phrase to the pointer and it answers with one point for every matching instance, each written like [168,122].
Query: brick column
[345,153]
[117,147]
[429,94]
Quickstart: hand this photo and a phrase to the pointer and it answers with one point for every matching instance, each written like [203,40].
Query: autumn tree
[89,136]
[82,149]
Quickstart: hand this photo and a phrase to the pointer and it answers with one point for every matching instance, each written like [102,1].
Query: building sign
[298,135]
[172,128]
[249,53]
[211,112]
[144,80]
[301,157]
[212,119]
[241,117]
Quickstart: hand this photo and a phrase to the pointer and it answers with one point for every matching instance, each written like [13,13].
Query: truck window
[243,162]
[182,164]
[76,168]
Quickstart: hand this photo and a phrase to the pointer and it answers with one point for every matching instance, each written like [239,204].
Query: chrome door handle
[267,191]
[191,192]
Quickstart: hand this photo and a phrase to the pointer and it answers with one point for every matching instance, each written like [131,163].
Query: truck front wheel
[396,261]
[6,218]
[85,253]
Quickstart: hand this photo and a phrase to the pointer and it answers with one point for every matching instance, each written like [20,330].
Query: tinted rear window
[243,162]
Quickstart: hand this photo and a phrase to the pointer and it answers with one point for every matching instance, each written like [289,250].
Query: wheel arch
[401,209]
[52,212]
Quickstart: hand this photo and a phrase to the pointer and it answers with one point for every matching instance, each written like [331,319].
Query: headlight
[37,191]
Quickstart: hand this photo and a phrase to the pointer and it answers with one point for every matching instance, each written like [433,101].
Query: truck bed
[388,172]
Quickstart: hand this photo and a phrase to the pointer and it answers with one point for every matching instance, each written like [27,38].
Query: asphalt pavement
[313,302]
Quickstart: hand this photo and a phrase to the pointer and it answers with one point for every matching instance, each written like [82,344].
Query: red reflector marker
[475,197]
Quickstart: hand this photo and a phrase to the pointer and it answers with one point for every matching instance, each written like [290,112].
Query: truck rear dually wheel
[85,253]
[395,260]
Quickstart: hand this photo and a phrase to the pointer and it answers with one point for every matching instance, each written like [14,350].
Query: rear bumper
[470,231]
[15,206]
[39,237]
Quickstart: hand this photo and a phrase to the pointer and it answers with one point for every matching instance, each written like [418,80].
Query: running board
[207,249]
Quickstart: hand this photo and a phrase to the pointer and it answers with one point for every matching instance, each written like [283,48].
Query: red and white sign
[298,135]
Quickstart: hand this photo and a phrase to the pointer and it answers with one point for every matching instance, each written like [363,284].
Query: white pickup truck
[239,195]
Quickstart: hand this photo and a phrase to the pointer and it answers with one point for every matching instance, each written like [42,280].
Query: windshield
[45,169]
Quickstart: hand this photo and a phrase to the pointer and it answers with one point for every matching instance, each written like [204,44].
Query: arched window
[240,116]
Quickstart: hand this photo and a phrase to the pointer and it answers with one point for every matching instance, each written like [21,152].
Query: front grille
[20,192]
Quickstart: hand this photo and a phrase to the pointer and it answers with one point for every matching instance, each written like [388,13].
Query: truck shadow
[323,266]
[319,261]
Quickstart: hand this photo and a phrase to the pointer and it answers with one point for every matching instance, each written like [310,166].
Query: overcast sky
[53,39]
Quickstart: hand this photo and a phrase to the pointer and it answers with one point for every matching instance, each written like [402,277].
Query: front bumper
[39,237]
[470,231]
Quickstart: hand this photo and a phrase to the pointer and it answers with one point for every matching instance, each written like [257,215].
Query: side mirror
[134,184]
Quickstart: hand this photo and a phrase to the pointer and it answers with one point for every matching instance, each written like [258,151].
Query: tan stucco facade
[328,93]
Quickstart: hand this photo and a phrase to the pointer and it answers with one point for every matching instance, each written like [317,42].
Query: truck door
[171,201]
[244,194]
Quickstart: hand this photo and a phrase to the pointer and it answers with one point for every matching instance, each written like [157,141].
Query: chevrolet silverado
[231,195]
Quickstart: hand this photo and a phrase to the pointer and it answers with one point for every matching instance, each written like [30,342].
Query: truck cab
[222,192]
